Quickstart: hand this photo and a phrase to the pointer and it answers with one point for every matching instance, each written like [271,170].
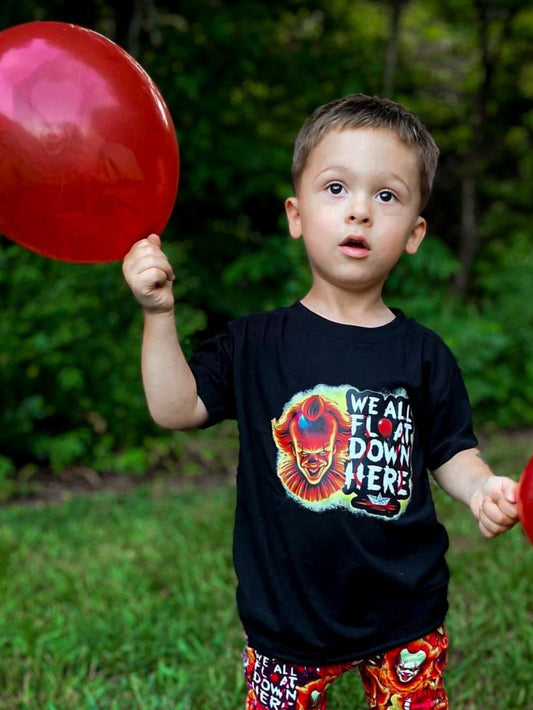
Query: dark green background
[239,78]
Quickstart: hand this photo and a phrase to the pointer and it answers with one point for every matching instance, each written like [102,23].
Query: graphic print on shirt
[342,447]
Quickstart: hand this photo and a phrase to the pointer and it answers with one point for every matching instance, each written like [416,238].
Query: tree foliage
[239,78]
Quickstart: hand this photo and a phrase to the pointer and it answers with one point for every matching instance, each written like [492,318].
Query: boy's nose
[359,218]
[359,211]
[359,215]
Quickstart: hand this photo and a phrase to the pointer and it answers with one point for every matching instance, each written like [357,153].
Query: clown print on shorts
[408,677]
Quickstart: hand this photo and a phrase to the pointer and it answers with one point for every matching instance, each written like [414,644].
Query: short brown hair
[361,111]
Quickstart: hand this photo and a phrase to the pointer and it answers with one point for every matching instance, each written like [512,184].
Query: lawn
[126,601]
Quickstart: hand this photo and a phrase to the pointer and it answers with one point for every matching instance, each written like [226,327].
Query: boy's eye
[335,188]
[386,196]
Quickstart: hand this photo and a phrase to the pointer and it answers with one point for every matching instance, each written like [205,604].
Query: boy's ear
[293,217]
[417,235]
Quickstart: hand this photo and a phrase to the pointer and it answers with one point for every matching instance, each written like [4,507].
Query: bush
[489,339]
[69,355]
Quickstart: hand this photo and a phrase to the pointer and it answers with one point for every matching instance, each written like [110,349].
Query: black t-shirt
[337,549]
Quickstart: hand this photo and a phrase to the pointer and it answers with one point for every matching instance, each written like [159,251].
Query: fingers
[149,274]
[498,510]
[493,520]
[146,255]
[154,239]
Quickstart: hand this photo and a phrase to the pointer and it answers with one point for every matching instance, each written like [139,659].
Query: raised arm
[492,499]
[169,384]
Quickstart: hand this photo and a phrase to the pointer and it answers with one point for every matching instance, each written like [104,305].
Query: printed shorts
[405,678]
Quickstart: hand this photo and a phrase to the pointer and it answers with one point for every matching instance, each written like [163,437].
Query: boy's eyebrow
[394,176]
[381,176]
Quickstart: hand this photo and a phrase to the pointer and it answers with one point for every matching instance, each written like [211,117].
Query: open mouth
[355,245]
[351,242]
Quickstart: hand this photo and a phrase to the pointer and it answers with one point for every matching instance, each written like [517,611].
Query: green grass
[118,602]
[125,602]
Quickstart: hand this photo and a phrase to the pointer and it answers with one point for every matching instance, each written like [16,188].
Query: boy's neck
[349,309]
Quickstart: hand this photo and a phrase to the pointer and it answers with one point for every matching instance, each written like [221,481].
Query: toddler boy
[343,405]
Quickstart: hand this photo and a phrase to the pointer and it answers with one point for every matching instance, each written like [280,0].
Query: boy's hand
[149,275]
[495,505]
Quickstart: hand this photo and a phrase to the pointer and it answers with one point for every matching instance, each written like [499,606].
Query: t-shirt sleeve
[449,425]
[212,367]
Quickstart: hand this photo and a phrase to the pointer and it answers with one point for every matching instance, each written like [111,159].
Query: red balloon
[525,499]
[385,427]
[89,160]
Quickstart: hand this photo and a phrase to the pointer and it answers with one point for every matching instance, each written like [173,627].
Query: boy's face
[357,207]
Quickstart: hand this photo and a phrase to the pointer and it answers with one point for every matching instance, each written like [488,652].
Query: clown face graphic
[312,437]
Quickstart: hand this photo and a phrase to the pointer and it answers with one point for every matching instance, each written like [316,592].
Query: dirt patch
[506,451]
[46,487]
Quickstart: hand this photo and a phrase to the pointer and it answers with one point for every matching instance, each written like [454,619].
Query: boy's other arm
[169,384]
[492,499]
